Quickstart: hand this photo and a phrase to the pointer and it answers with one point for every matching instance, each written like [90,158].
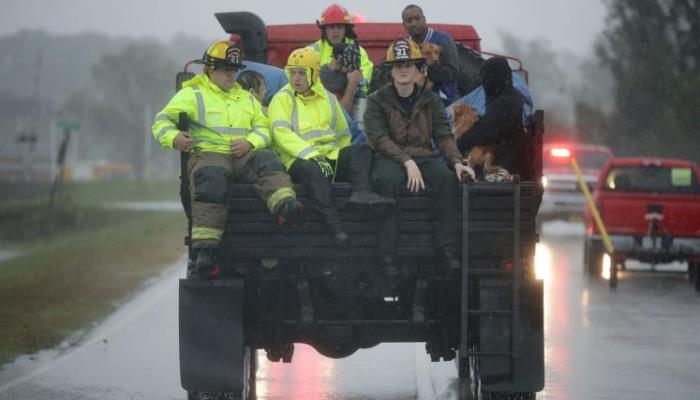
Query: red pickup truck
[651,209]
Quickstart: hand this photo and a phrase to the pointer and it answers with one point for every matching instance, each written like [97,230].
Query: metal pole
[464,311]
[52,151]
[594,210]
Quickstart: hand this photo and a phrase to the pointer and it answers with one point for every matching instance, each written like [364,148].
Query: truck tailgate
[626,213]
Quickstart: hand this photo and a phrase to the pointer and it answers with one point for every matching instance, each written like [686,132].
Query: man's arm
[377,130]
[366,65]
[446,70]
[164,128]
[348,98]
[259,135]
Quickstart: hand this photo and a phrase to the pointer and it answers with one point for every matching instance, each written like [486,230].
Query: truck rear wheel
[692,271]
[248,392]
[613,273]
[694,275]
[471,388]
[593,258]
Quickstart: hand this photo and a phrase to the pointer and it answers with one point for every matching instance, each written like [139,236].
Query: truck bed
[251,233]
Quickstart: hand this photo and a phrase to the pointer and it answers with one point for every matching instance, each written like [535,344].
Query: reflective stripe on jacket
[305,127]
[325,51]
[217,117]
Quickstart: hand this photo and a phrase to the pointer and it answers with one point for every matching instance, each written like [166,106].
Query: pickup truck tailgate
[628,213]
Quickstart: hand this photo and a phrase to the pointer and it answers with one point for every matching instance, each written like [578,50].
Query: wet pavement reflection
[640,341]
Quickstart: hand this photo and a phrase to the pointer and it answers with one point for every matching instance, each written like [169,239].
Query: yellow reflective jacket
[325,52]
[217,117]
[305,127]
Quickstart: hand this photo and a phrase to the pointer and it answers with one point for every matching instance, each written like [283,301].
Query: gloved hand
[325,166]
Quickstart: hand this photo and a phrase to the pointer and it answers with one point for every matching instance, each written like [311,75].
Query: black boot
[204,267]
[335,226]
[290,213]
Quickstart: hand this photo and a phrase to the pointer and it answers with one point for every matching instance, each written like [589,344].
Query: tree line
[640,95]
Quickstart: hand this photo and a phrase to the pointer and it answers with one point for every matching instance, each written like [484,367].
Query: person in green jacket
[337,27]
[226,141]
[313,141]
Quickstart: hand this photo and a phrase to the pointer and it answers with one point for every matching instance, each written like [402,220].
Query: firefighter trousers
[210,176]
[353,165]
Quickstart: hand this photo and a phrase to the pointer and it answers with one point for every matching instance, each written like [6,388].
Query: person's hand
[461,169]
[324,165]
[240,147]
[354,77]
[183,141]
[415,178]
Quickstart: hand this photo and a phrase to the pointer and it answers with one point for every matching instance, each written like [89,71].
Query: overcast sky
[567,24]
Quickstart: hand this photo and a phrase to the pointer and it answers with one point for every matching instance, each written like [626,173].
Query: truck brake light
[560,152]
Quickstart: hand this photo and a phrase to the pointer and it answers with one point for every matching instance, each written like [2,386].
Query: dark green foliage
[653,51]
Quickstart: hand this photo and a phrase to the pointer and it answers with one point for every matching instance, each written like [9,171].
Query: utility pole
[68,127]
[30,135]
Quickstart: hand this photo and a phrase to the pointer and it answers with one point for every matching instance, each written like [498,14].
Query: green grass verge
[67,281]
[125,190]
[89,193]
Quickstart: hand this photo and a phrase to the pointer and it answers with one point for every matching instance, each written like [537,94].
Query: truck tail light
[560,152]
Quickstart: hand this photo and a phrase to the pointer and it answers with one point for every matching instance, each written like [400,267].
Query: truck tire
[471,388]
[248,393]
[613,274]
[696,276]
[692,272]
[593,258]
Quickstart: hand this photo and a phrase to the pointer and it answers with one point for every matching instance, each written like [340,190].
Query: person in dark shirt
[442,74]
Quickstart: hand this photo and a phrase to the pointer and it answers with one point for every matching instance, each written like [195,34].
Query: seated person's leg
[209,176]
[354,165]
[308,173]
[266,172]
[388,177]
[441,183]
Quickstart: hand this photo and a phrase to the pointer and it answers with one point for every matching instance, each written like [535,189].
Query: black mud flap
[525,371]
[212,353]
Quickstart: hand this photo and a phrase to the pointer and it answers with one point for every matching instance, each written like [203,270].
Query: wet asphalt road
[639,342]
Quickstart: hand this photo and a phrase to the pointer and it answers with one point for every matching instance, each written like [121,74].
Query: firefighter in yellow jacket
[311,136]
[227,142]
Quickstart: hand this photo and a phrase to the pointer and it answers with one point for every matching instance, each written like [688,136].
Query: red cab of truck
[651,210]
[375,37]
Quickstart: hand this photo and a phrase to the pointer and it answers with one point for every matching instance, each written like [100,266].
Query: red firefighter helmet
[334,14]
